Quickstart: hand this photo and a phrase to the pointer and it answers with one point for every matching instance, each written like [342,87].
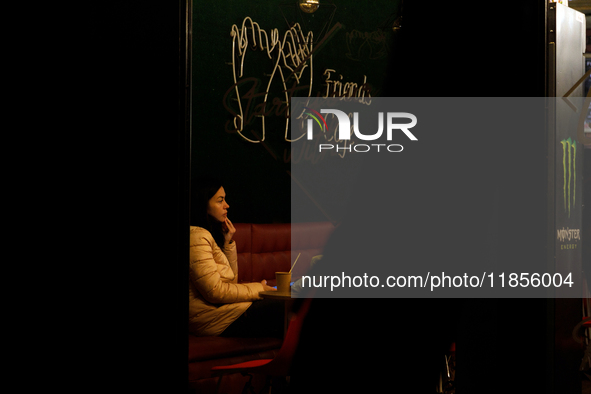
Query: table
[284,296]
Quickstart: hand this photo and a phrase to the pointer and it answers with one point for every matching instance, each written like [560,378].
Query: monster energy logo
[569,148]
[568,234]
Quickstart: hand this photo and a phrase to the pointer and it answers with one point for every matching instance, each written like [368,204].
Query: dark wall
[256,175]
[442,50]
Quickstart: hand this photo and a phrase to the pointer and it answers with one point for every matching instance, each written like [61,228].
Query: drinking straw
[294,263]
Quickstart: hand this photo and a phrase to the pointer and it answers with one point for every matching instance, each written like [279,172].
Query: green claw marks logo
[569,148]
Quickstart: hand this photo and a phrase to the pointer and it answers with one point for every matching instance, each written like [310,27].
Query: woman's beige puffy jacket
[216,299]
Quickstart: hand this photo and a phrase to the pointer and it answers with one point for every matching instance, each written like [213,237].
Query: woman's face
[217,207]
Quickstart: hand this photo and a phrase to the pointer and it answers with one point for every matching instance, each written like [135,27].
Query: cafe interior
[241,64]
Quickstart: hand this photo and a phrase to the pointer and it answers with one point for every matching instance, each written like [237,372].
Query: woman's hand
[229,230]
[267,288]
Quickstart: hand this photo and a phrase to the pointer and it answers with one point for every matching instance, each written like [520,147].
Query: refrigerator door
[566,33]
[566,70]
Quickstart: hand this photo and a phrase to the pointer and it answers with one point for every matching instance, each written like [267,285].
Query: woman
[217,302]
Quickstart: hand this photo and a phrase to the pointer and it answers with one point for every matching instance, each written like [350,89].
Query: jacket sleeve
[232,255]
[214,275]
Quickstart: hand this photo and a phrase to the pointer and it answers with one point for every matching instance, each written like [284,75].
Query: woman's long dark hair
[203,189]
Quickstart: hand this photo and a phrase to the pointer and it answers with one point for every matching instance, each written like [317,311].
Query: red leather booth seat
[263,249]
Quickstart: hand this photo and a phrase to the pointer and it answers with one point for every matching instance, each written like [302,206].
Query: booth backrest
[264,249]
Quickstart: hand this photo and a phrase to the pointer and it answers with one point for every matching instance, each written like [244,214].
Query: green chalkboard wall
[352,40]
